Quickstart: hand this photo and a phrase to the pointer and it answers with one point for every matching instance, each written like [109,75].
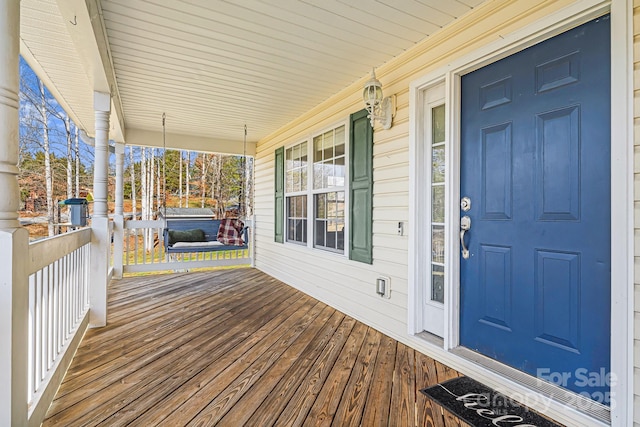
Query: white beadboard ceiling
[213,66]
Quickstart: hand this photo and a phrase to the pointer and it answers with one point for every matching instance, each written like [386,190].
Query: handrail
[42,254]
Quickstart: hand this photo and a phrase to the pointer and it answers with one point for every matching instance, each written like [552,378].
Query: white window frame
[294,194]
[311,192]
[327,190]
[622,211]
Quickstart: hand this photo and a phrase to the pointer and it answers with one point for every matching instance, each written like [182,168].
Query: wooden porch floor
[239,348]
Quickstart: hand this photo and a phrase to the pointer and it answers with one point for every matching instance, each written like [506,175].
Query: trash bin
[78,211]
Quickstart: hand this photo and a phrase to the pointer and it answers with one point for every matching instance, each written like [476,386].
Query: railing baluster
[32,335]
[37,333]
[58,302]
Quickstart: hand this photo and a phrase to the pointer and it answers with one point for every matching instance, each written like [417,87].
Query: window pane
[339,171]
[296,180]
[296,156]
[329,178]
[437,283]
[296,219]
[289,181]
[437,203]
[437,243]
[317,148]
[328,148]
[317,175]
[301,208]
[437,160]
[321,206]
[320,231]
[329,161]
[303,178]
[340,141]
[437,123]
[329,221]
[296,168]
[438,164]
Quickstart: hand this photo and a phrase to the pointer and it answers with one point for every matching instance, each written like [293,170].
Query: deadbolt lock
[465,204]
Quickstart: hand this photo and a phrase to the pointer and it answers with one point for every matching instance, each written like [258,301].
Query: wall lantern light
[379,108]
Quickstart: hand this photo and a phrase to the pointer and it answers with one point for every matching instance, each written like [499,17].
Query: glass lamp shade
[372,93]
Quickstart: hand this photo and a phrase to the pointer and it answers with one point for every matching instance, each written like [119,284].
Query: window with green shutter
[361,188]
[311,188]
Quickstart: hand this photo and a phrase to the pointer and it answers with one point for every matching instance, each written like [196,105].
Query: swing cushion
[193,235]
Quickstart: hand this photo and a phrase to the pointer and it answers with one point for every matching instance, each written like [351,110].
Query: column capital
[102,101]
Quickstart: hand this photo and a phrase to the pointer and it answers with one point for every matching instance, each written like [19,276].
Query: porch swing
[199,234]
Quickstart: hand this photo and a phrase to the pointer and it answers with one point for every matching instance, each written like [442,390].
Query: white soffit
[213,66]
[48,48]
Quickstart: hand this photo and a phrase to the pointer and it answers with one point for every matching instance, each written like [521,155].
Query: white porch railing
[58,312]
[143,251]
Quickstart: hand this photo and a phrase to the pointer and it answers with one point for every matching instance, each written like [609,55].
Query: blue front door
[535,165]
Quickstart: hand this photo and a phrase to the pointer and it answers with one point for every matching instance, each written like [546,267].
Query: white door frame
[622,226]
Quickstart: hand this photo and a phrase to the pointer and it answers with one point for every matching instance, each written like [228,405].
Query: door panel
[535,162]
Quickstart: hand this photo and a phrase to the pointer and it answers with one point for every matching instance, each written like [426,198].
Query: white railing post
[14,240]
[100,239]
[118,218]
[14,330]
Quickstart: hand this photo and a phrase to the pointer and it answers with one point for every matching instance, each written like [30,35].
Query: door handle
[465,225]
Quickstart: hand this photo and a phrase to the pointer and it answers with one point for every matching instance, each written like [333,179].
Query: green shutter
[361,188]
[279,196]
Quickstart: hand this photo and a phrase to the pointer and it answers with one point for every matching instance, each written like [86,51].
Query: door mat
[480,406]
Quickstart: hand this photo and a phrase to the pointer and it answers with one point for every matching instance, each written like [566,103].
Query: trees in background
[54,165]
[186,179]
[47,150]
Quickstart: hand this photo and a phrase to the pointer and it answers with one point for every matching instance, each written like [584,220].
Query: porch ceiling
[213,66]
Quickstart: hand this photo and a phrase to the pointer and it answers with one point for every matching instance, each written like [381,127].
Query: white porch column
[118,218]
[100,241]
[14,240]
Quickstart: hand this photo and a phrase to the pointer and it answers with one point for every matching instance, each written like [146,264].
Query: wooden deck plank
[354,396]
[378,406]
[109,396]
[149,402]
[197,390]
[403,396]
[296,411]
[326,404]
[191,301]
[121,353]
[234,369]
[219,406]
[240,413]
[429,414]
[238,347]
[275,402]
